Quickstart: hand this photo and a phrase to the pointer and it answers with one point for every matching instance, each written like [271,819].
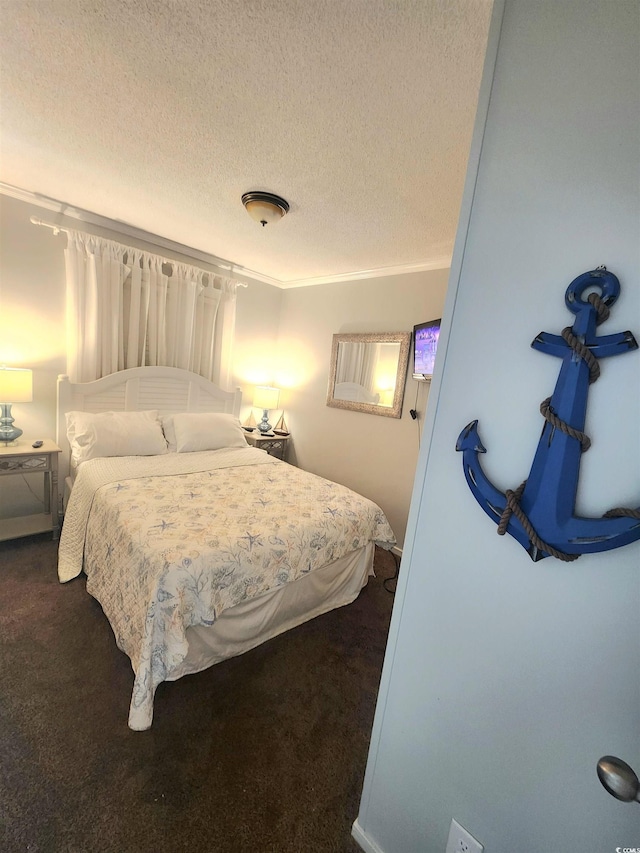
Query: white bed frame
[168,389]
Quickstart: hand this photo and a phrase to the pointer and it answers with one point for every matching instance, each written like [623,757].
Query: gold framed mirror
[368,372]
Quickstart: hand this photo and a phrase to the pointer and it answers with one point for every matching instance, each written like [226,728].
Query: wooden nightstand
[275,445]
[22,458]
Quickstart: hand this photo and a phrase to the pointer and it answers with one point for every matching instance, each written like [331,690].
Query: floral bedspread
[168,551]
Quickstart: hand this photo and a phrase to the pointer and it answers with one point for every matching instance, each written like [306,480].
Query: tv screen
[425,343]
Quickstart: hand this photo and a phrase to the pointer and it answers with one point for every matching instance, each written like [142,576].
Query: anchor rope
[513,498]
[549,415]
[622,512]
[513,508]
[583,351]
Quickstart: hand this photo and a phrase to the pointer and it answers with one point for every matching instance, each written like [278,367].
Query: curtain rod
[56,228]
[59,229]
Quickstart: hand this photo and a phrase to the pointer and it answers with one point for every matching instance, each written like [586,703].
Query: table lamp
[265,398]
[16,386]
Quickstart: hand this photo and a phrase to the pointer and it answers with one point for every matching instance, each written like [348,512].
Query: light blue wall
[505,680]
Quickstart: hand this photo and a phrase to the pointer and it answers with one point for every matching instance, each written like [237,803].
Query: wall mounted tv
[425,343]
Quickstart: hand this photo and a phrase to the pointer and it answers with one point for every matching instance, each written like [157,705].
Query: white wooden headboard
[170,390]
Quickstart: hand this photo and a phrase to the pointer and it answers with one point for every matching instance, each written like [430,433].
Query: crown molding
[441,263]
[235,270]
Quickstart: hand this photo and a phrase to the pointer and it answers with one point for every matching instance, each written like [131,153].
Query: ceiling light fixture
[265,207]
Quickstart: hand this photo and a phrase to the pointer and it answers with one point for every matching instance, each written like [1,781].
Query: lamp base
[264,425]
[7,431]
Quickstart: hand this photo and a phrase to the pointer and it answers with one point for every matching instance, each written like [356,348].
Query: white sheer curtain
[129,308]
[357,362]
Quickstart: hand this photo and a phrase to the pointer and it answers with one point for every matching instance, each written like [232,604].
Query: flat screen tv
[425,343]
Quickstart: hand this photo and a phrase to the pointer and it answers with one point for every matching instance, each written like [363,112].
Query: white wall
[505,680]
[371,454]
[32,325]
[32,321]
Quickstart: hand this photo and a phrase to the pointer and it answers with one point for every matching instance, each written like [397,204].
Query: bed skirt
[247,625]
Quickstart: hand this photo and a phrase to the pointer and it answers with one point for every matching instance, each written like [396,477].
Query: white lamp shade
[265,397]
[16,385]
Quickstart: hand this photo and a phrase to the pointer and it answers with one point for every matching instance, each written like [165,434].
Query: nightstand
[275,445]
[22,458]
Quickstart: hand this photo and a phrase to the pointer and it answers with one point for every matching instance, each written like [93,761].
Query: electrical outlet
[461,841]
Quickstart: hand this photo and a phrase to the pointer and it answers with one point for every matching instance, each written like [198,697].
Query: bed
[197,546]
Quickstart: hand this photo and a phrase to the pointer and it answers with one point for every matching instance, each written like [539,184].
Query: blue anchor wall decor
[540,513]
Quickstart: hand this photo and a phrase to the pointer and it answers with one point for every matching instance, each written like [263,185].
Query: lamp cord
[394,576]
[37,497]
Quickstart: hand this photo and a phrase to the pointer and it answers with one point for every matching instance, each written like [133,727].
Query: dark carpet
[263,753]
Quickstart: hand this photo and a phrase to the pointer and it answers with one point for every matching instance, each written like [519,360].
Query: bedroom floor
[264,753]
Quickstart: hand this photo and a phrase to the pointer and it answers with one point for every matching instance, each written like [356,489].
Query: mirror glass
[368,372]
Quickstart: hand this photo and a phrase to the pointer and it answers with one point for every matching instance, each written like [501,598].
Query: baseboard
[397,551]
[366,843]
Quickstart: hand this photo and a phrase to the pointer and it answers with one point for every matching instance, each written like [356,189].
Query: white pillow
[114,434]
[207,431]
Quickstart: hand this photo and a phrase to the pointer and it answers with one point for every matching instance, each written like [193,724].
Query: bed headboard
[168,389]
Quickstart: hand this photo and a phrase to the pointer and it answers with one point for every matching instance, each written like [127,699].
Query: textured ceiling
[161,113]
